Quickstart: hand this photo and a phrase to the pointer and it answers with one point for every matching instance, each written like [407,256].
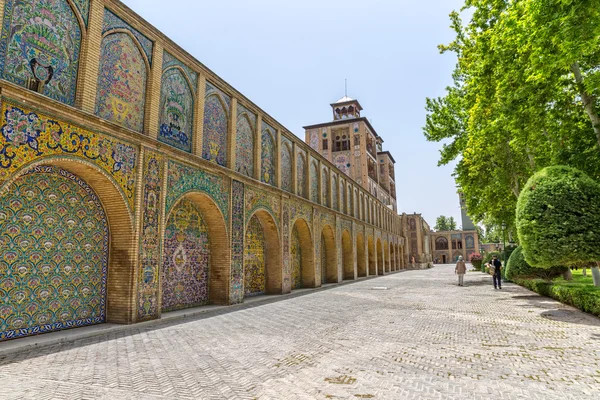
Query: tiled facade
[134,181]
[448,246]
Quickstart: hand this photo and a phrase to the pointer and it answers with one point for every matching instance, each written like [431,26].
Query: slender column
[89,60]
[278,160]
[231,156]
[258,148]
[199,116]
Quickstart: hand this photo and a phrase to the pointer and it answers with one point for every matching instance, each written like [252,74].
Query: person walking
[460,270]
[497,276]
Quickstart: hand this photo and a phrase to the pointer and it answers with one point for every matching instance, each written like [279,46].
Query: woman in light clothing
[460,270]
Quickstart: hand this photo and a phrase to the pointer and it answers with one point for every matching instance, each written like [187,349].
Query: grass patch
[580,292]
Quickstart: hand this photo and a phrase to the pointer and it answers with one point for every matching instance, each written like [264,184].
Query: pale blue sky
[291,58]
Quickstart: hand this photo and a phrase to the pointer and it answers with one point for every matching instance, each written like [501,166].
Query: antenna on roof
[346,87]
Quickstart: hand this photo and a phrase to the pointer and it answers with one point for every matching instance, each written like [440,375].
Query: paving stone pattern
[422,338]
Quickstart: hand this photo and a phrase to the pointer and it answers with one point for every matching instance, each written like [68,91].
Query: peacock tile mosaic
[54,240]
[268,152]
[177,104]
[286,165]
[41,40]
[296,258]
[186,260]
[244,143]
[314,182]
[183,179]
[254,259]
[28,136]
[237,243]
[217,107]
[150,240]
[84,9]
[257,199]
[112,22]
[121,92]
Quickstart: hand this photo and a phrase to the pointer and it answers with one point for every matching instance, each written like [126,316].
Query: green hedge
[585,301]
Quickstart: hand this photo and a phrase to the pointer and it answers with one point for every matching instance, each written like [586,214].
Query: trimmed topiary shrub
[558,218]
[488,256]
[518,268]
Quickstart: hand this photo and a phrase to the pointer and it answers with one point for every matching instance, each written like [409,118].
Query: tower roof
[347,100]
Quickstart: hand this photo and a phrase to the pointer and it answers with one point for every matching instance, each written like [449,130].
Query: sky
[291,59]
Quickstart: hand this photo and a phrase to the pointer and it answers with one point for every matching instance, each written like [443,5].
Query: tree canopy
[525,96]
[443,223]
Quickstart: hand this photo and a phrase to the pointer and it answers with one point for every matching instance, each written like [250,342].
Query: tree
[558,219]
[441,224]
[518,268]
[451,224]
[525,96]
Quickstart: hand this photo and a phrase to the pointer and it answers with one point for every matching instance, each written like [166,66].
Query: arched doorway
[393,258]
[58,240]
[329,271]
[301,254]
[195,268]
[361,261]
[372,257]
[263,273]
[380,259]
[387,263]
[347,256]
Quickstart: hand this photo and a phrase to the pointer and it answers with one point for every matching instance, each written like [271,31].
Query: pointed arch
[348,256]
[177,99]
[216,127]
[244,145]
[301,178]
[380,259]
[302,251]
[286,167]
[263,272]
[329,269]
[361,258]
[372,257]
[268,159]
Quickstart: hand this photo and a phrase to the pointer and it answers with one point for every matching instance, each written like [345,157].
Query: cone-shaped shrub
[558,218]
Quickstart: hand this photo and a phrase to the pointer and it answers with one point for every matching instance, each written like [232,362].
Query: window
[325,144]
[356,140]
[341,141]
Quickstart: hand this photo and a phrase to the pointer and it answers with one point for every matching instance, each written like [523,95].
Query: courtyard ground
[411,335]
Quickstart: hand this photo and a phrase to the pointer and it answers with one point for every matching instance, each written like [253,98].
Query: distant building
[467,224]
[448,246]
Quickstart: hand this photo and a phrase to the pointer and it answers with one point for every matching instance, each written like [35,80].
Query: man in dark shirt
[497,277]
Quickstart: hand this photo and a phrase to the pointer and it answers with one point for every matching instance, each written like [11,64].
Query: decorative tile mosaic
[342,162]
[301,210]
[325,187]
[121,92]
[217,106]
[150,240]
[470,242]
[183,179]
[237,243]
[314,140]
[254,259]
[334,194]
[84,9]
[176,108]
[41,39]
[285,222]
[296,257]
[112,22]
[301,175]
[286,165]
[186,263]
[54,245]
[27,136]
[244,144]
[314,182]
[170,61]
[257,199]
[268,152]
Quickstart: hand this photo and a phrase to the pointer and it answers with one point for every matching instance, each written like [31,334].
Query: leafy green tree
[441,224]
[558,219]
[451,224]
[518,268]
[525,96]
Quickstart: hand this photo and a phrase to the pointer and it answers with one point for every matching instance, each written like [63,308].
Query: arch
[392,258]
[380,259]
[286,167]
[329,271]
[244,145]
[314,182]
[372,257]
[325,188]
[301,184]
[117,258]
[218,268]
[215,128]
[361,261]
[55,64]
[335,193]
[302,250]
[441,243]
[268,159]
[121,92]
[263,273]
[176,109]
[387,264]
[347,256]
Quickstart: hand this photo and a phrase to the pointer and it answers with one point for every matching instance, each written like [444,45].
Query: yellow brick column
[152,115]
[87,81]
[294,169]
[278,160]
[199,116]
[231,135]
[257,148]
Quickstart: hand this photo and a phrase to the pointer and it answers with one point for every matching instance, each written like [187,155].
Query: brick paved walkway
[424,338]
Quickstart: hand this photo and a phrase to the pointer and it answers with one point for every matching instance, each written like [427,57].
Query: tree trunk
[596,275]
[568,275]
[588,101]
[584,271]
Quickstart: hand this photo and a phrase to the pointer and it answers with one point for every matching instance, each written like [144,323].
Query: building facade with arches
[134,181]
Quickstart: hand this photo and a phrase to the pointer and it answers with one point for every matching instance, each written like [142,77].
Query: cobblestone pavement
[422,338]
